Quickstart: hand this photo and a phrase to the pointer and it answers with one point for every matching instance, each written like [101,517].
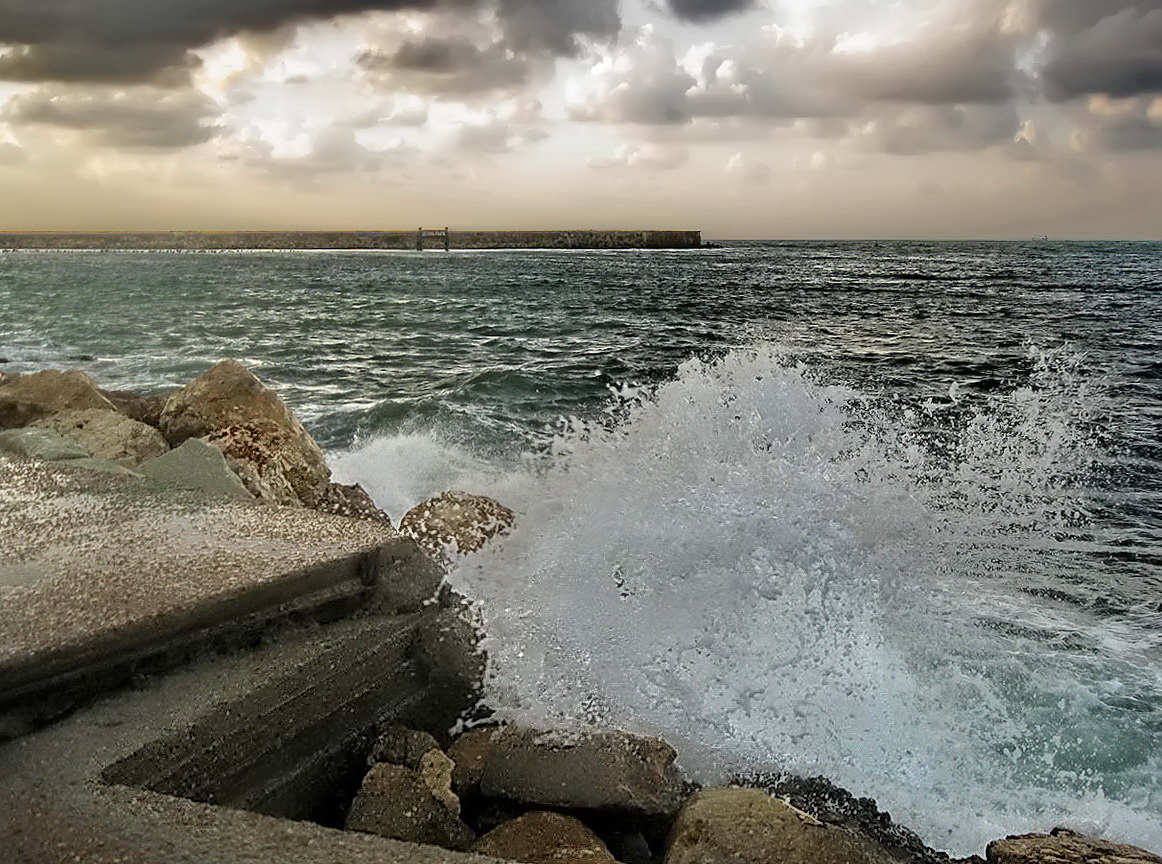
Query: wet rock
[544,838]
[747,826]
[143,409]
[469,753]
[455,522]
[610,771]
[27,398]
[448,644]
[199,466]
[34,443]
[1062,846]
[400,745]
[107,435]
[350,500]
[395,802]
[253,428]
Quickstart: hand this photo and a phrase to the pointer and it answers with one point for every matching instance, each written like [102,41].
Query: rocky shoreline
[540,796]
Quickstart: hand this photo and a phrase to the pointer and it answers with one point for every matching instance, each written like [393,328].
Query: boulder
[396,802]
[455,522]
[28,398]
[102,466]
[143,409]
[435,772]
[33,443]
[6,377]
[544,838]
[199,466]
[107,435]
[400,745]
[747,826]
[256,432]
[1062,846]
[611,771]
[351,500]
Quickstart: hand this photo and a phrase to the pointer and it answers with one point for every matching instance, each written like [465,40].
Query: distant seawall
[212,240]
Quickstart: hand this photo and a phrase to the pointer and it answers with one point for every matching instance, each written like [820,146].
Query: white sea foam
[774,572]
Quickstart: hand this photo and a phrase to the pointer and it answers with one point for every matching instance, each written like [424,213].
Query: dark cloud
[139,41]
[1103,47]
[446,65]
[140,118]
[706,10]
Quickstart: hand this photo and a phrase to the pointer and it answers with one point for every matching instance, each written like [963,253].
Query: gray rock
[400,745]
[143,409]
[196,465]
[350,500]
[1062,846]
[747,826]
[456,522]
[611,771]
[107,435]
[33,443]
[544,838]
[395,802]
[256,432]
[28,398]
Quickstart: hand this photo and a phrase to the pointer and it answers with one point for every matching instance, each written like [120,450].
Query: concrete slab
[104,575]
[267,728]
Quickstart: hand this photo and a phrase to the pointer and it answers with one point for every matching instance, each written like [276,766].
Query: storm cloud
[146,41]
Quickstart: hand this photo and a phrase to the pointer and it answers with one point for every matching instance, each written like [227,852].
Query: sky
[742,118]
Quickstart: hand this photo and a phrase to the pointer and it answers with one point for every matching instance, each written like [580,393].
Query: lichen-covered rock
[455,522]
[197,466]
[351,500]
[107,435]
[611,771]
[1062,846]
[747,826]
[544,838]
[259,436]
[396,802]
[27,398]
[400,745]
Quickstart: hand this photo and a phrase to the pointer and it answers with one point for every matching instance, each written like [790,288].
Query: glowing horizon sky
[815,118]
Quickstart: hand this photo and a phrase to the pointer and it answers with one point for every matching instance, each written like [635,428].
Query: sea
[885,512]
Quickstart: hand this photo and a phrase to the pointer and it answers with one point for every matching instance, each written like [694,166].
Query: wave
[778,572]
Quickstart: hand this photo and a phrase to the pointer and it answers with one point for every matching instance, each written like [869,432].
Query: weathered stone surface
[260,437]
[469,753]
[143,409]
[1062,846]
[196,465]
[747,826]
[27,398]
[612,771]
[33,443]
[455,522]
[6,377]
[395,802]
[544,838]
[350,500]
[107,435]
[435,772]
[103,466]
[400,745]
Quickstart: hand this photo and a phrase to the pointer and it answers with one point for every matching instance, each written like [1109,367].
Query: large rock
[611,771]
[455,522]
[107,435]
[544,838]
[400,745]
[351,500]
[397,802]
[198,466]
[34,443]
[256,432]
[747,826]
[28,398]
[143,409]
[1062,846]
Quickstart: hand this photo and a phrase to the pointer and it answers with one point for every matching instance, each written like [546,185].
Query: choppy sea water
[888,513]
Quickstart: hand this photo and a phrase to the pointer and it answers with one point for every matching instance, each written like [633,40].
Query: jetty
[420,239]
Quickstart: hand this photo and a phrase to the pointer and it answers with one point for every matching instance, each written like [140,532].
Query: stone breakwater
[333,706]
[234,240]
